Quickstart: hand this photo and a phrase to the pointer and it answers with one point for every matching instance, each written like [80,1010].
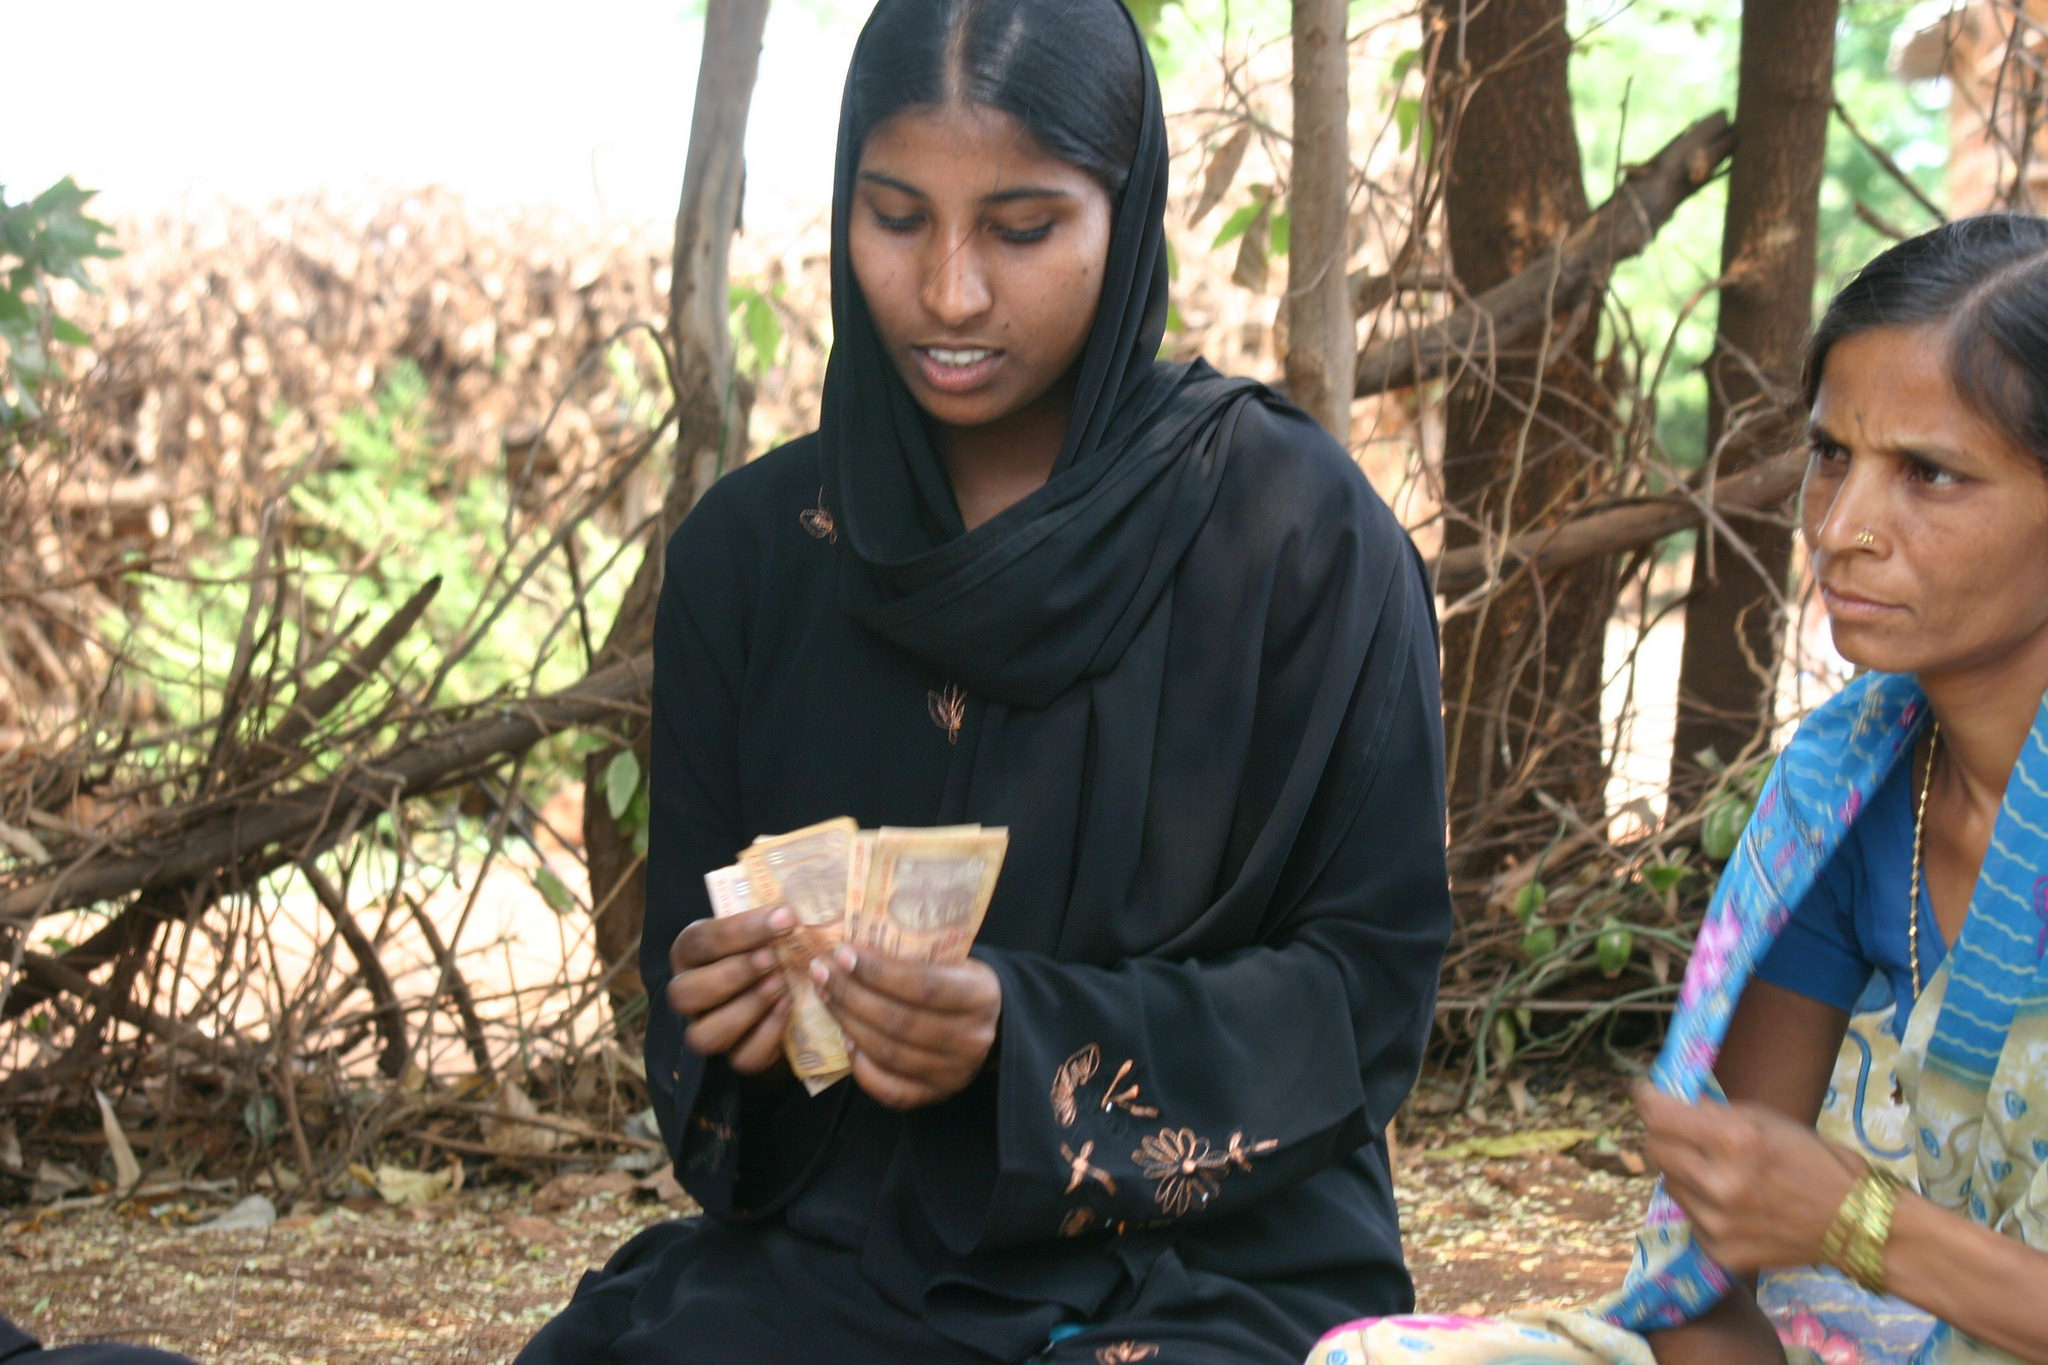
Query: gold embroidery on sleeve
[1074,1073]
[1125,1353]
[1077,1221]
[1185,1167]
[1240,1156]
[1083,1171]
[1126,1099]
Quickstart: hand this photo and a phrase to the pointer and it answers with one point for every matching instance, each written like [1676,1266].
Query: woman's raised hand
[1761,1190]
[728,984]
[917,1033]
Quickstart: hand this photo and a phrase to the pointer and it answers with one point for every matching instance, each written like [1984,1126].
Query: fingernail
[781,919]
[843,955]
[820,973]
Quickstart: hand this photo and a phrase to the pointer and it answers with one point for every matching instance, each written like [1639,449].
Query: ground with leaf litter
[1530,1200]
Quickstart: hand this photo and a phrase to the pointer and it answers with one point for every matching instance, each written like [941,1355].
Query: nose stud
[1866,537]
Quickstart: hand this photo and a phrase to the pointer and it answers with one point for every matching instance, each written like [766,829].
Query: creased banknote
[811,1033]
[916,894]
[807,871]
[927,891]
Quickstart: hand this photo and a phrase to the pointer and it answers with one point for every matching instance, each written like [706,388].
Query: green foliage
[1626,110]
[756,328]
[48,238]
[361,532]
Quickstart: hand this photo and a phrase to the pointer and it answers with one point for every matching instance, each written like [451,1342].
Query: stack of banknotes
[914,894]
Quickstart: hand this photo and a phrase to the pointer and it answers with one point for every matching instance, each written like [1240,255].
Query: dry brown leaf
[127,1170]
[1221,171]
[509,1134]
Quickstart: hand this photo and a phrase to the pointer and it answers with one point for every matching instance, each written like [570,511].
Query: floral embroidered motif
[1185,1167]
[1077,1221]
[1074,1073]
[948,711]
[1125,1352]
[1126,1099]
[1240,1156]
[1083,1171]
[818,521]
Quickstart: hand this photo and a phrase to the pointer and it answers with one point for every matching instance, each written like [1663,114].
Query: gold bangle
[1855,1241]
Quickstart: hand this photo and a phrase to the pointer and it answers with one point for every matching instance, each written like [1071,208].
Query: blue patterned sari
[1973,1066]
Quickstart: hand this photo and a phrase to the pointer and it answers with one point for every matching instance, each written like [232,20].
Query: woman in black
[1153,621]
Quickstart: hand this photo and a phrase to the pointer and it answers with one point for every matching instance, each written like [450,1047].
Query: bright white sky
[584,107]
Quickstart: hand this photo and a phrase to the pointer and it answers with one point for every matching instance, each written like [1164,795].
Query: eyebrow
[1920,450]
[999,197]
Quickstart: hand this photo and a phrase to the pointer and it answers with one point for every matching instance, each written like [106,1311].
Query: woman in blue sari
[1900,848]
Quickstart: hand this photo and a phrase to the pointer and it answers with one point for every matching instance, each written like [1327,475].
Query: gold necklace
[1919,831]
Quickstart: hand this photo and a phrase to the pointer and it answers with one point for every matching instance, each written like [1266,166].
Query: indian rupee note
[807,871]
[927,891]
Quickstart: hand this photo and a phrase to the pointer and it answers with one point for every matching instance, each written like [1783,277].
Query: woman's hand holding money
[728,984]
[918,1033]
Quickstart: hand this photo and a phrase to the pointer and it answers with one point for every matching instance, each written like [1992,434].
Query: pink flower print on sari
[1436,1322]
[1834,1348]
[1852,807]
[1710,954]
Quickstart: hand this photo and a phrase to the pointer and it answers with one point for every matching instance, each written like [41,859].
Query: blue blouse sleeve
[1819,955]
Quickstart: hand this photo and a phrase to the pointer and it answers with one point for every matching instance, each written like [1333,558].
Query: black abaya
[1200,687]
[19,1348]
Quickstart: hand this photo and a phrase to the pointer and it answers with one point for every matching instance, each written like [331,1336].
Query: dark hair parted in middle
[1067,70]
[1986,280]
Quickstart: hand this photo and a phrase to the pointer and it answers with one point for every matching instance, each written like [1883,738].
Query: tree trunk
[1733,620]
[1321,334]
[1526,439]
[711,418]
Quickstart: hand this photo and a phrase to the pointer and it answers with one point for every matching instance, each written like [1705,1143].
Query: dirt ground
[1495,1211]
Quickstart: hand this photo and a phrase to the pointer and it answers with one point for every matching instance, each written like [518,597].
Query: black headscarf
[1052,589]
[1202,696]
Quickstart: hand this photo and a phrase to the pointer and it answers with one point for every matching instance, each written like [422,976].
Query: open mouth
[956,369]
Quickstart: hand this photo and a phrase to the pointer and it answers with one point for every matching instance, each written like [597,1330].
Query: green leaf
[553,890]
[69,333]
[621,780]
[1529,901]
[764,330]
[1277,234]
[1664,876]
[1238,223]
[1613,949]
[1402,65]
[1504,1039]
[1407,114]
